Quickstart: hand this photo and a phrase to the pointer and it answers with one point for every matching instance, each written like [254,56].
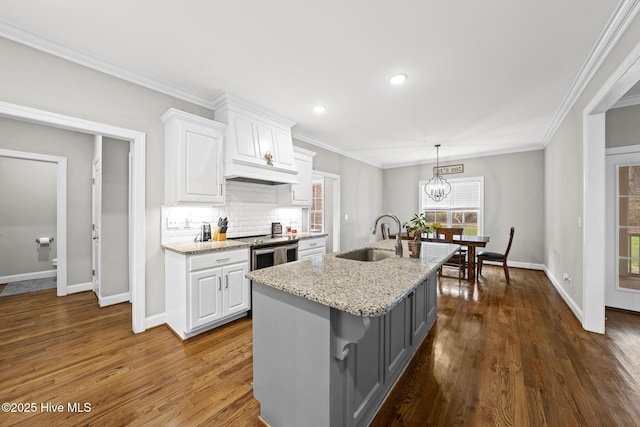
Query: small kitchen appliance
[205,232]
[276,228]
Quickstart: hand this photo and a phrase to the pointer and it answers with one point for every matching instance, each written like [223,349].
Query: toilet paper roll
[44,241]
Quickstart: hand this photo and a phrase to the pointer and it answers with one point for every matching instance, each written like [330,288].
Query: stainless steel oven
[269,256]
[267,251]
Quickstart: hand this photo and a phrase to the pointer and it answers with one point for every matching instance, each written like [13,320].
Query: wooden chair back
[446,234]
[506,253]
[385,230]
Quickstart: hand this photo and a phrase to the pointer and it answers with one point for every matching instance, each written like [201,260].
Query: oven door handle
[272,250]
[263,251]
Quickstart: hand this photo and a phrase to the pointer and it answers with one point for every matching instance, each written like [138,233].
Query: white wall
[78,149]
[27,211]
[513,195]
[623,126]
[564,180]
[361,193]
[39,80]
[115,217]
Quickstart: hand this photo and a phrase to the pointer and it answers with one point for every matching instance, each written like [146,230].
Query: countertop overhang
[368,289]
[193,248]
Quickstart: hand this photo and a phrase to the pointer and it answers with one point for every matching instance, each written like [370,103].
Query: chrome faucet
[398,236]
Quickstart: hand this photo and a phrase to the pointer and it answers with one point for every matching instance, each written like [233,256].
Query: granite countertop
[190,248]
[301,235]
[361,288]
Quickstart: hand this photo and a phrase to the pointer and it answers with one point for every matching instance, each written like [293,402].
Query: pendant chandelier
[437,188]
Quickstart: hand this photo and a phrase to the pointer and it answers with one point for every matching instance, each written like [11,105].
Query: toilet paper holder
[44,240]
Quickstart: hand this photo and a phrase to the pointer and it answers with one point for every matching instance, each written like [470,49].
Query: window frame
[452,181]
[315,182]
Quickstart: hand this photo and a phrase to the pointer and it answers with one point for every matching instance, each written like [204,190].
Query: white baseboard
[79,287]
[518,264]
[565,296]
[156,320]
[114,299]
[527,265]
[28,276]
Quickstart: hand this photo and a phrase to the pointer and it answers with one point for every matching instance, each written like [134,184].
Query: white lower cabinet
[205,297]
[206,290]
[311,247]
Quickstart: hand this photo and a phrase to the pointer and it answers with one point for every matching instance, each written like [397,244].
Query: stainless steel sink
[367,255]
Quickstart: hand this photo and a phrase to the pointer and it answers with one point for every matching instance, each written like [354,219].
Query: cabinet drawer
[313,243]
[218,258]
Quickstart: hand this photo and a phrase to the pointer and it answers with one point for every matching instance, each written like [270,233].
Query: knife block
[218,236]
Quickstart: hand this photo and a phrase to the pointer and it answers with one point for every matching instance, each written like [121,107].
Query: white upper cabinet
[299,194]
[193,158]
[302,191]
[258,142]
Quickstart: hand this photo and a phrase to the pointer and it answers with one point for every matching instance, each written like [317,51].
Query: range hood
[258,144]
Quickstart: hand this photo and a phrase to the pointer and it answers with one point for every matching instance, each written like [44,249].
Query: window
[629,227]
[463,207]
[317,205]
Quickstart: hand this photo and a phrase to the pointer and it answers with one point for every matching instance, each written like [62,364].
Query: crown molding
[224,100]
[476,155]
[619,22]
[35,41]
[309,140]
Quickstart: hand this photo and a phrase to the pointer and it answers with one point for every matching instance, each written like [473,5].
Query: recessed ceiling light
[398,79]
[320,109]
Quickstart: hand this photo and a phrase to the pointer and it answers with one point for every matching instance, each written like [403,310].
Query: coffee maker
[205,232]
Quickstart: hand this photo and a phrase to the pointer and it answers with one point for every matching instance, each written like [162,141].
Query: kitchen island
[332,335]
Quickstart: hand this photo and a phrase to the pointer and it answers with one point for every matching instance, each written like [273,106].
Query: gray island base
[331,336]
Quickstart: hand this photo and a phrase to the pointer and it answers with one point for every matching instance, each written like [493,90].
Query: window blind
[463,195]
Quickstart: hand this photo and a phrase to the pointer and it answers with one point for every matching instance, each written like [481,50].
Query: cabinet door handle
[223,260]
[293,195]
[219,283]
[220,189]
[226,282]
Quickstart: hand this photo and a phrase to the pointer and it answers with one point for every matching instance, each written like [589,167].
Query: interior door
[96,219]
[622,267]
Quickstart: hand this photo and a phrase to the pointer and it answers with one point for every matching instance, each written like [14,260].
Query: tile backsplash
[250,209]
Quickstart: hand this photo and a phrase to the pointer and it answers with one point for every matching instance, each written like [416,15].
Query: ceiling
[484,77]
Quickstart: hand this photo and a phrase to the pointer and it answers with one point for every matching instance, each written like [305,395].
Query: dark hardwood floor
[515,355]
[498,355]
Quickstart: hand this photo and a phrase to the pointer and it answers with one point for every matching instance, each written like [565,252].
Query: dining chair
[497,257]
[385,230]
[458,259]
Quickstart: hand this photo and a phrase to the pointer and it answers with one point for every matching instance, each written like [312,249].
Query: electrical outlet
[567,278]
[172,224]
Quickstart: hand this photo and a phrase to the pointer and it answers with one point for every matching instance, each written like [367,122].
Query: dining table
[471,242]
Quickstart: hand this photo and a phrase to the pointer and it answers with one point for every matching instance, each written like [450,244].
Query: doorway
[593,221]
[137,142]
[61,208]
[622,286]
[330,214]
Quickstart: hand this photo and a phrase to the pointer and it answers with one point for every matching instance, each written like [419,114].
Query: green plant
[419,225]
